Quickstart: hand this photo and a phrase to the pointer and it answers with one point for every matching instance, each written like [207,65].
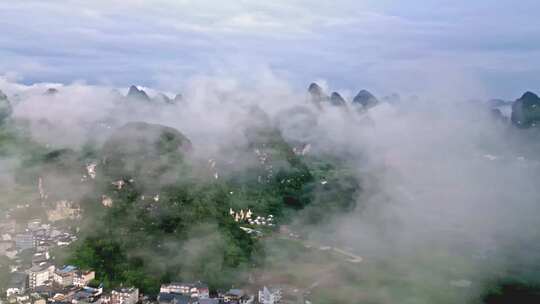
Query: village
[35,278]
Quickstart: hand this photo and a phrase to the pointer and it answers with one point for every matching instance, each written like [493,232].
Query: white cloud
[346,42]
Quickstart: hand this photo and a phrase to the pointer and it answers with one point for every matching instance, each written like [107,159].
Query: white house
[269,296]
[39,275]
[125,296]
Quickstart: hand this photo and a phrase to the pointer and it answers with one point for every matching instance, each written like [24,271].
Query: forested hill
[153,211]
[165,217]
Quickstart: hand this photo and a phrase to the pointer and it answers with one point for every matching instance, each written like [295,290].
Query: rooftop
[125,290]
[40,267]
[174,298]
[198,284]
[235,292]
[68,268]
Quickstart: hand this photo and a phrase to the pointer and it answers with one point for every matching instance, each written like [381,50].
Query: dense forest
[171,219]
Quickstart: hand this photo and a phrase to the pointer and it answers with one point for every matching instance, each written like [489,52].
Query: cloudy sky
[484,48]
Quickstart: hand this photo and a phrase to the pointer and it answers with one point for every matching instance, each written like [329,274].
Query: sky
[480,48]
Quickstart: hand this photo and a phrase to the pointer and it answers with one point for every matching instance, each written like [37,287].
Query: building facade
[195,290]
[40,275]
[82,278]
[125,296]
[269,296]
[25,241]
[65,276]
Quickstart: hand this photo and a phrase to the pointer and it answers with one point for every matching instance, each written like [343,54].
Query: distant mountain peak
[337,100]
[526,110]
[366,99]
[317,94]
[529,95]
[364,94]
[51,91]
[135,93]
[314,88]
[530,99]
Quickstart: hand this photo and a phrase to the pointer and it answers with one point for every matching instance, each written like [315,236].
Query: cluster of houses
[35,236]
[198,293]
[34,278]
[248,216]
[46,281]
[37,280]
[27,246]
[64,285]
[185,293]
[69,285]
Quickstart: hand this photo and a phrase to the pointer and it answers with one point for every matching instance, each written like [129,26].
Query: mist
[449,197]
[450,200]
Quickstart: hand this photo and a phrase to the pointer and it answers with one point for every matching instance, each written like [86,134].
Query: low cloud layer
[449,192]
